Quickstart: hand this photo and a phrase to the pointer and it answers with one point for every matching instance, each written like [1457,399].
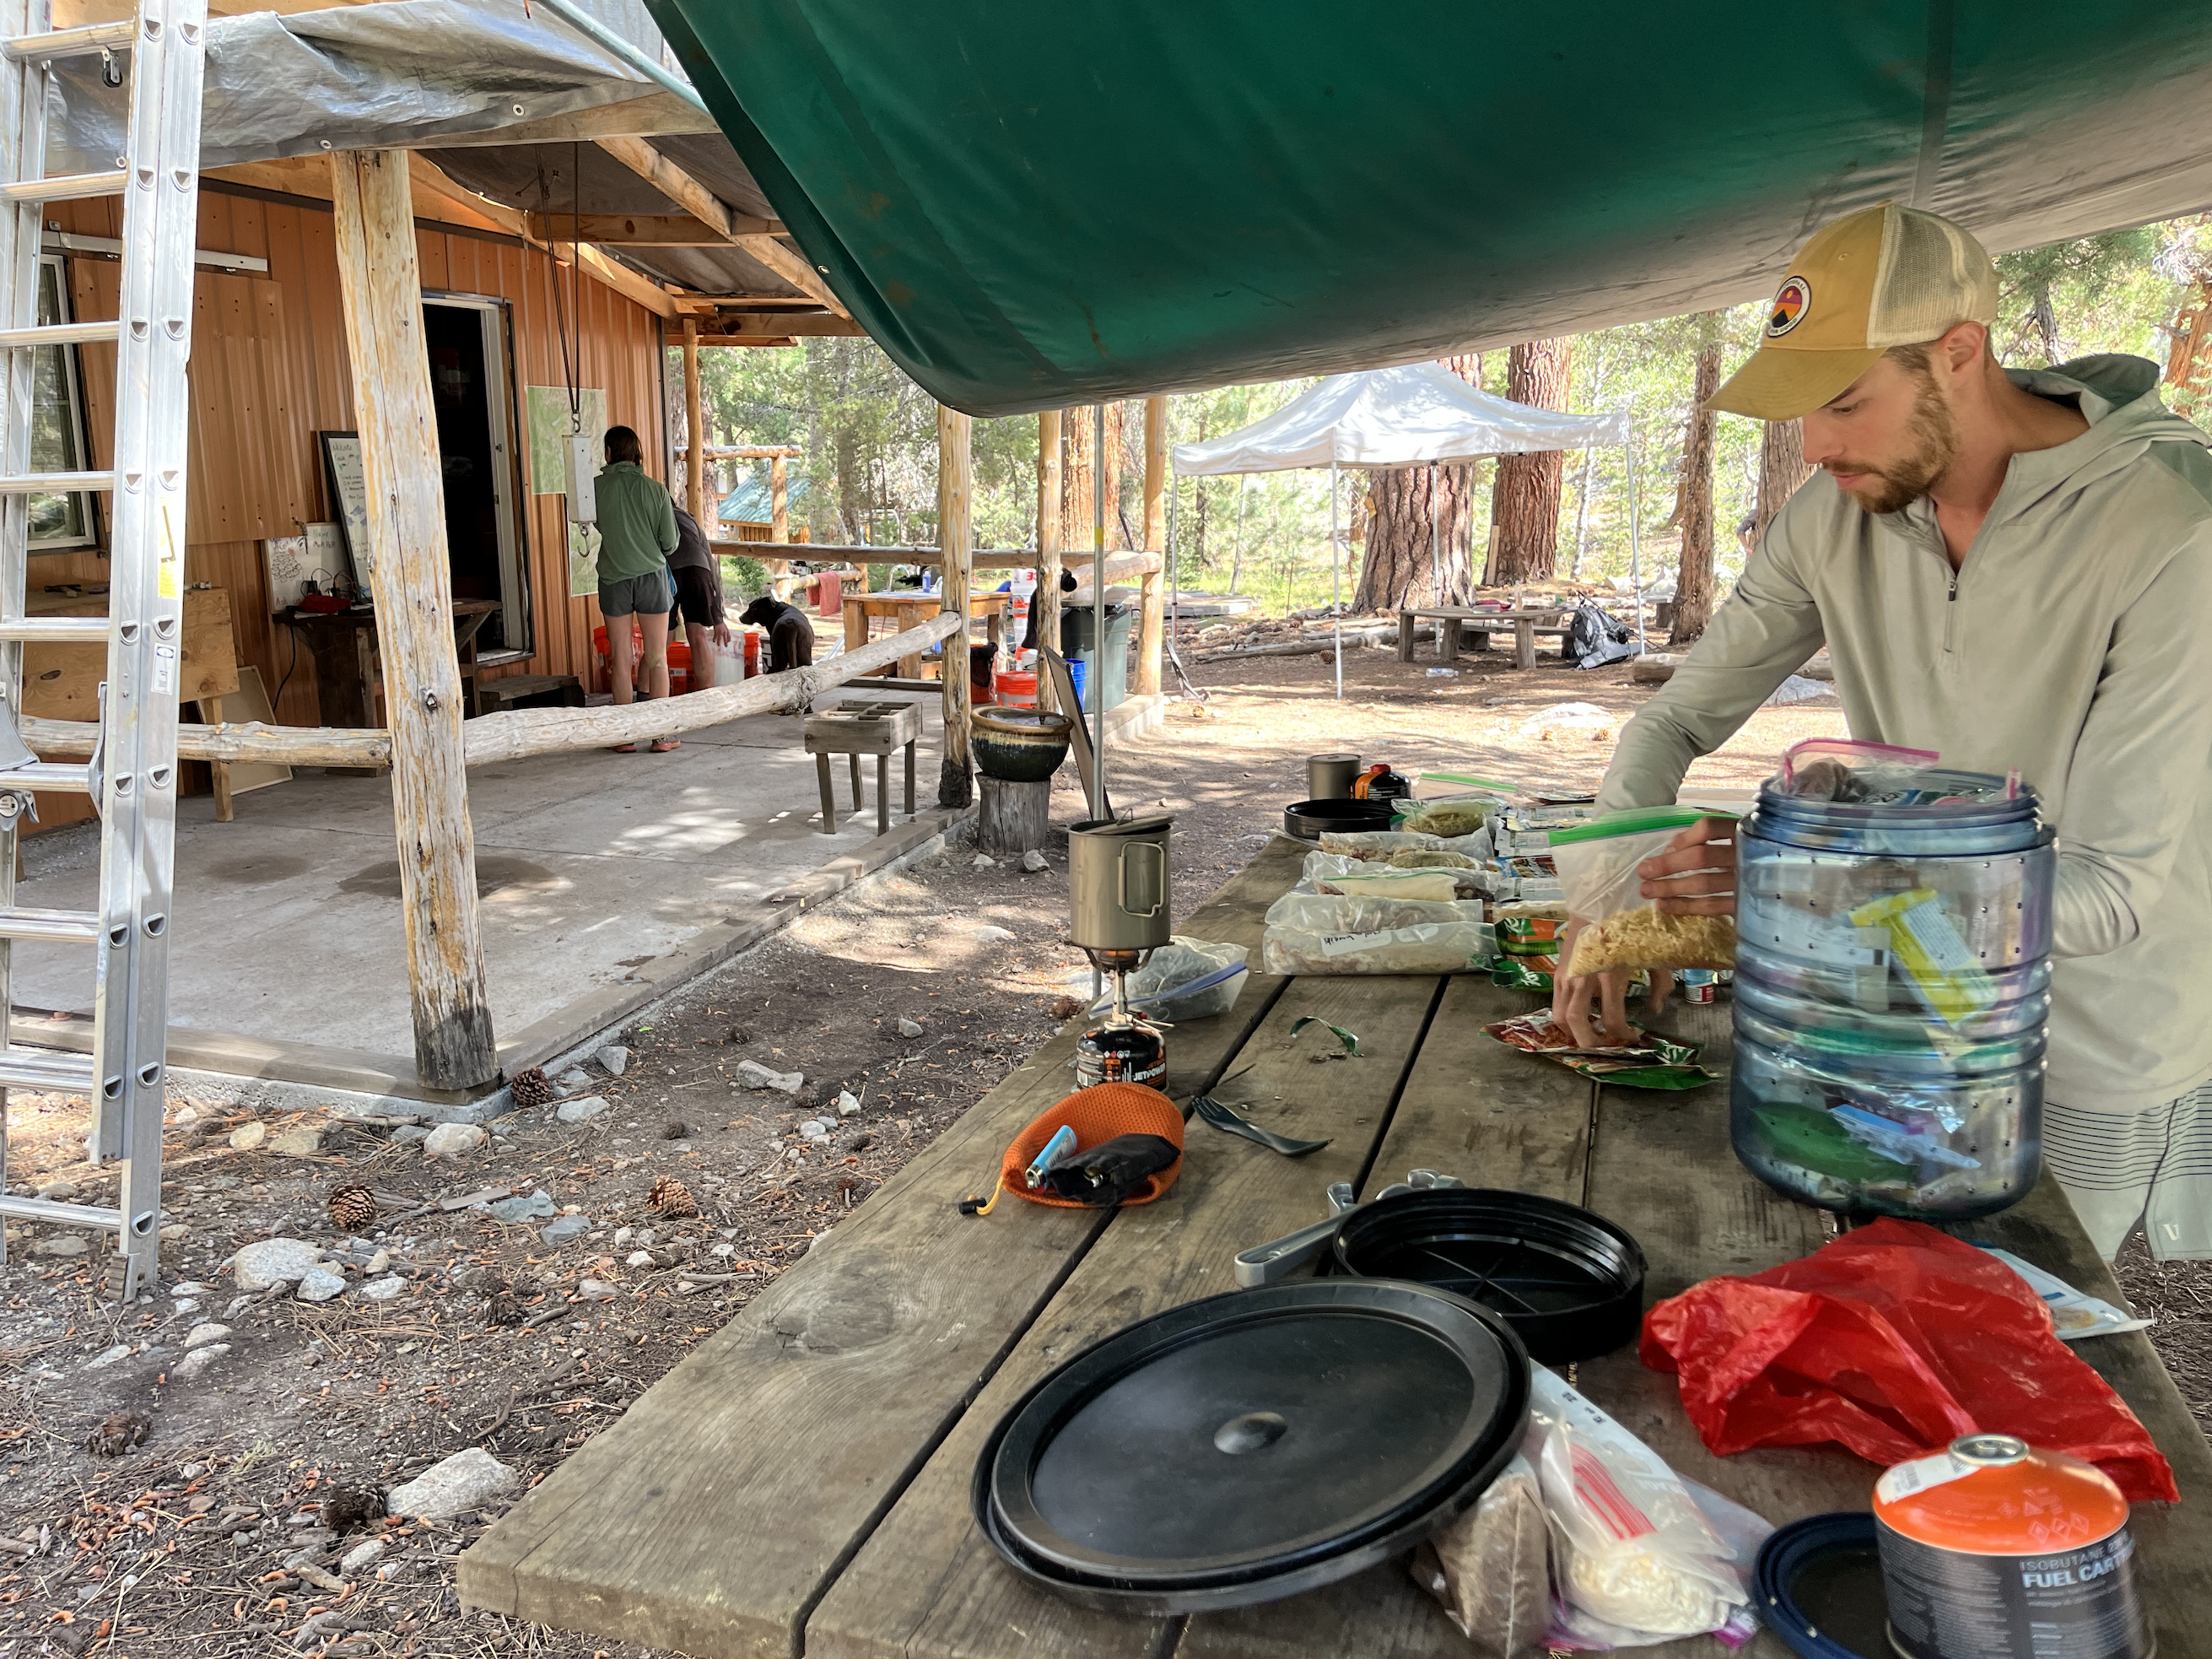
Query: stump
[1013,818]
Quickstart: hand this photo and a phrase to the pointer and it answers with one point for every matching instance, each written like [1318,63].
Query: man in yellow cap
[2013,568]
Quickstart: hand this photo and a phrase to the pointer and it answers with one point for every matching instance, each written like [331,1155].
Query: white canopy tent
[1421,414]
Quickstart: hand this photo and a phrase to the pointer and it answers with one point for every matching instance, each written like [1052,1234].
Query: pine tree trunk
[1693,582]
[1078,479]
[1114,445]
[1782,468]
[1399,571]
[1524,503]
[2189,361]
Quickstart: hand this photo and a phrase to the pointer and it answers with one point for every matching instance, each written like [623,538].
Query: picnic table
[800,1483]
[1452,619]
[911,607]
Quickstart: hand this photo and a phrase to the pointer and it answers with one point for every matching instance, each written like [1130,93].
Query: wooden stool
[864,728]
[1013,818]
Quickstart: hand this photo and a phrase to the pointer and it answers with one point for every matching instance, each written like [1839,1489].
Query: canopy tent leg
[1094,678]
[1175,579]
[1047,597]
[1635,565]
[1335,580]
[955,477]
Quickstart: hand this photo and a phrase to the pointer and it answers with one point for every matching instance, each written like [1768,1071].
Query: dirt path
[228,1527]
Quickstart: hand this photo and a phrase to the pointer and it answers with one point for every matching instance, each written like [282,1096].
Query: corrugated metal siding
[269,371]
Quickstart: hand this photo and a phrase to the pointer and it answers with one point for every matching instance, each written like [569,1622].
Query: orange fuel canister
[1993,1550]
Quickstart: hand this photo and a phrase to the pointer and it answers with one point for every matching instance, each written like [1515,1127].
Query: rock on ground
[64,1244]
[320,1284]
[383,1290]
[200,1335]
[199,1360]
[614,1058]
[754,1075]
[908,1028]
[245,1138]
[468,1480]
[272,1261]
[579,1111]
[301,1141]
[568,1227]
[453,1140]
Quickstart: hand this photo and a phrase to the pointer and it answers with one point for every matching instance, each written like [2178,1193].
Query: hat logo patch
[1789,307]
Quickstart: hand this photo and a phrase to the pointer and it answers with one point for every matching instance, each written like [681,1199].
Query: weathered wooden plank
[711,1516]
[926,1585]
[408,572]
[956,492]
[1493,1118]
[694,426]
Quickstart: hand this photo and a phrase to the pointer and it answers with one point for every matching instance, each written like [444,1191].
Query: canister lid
[1819,1587]
[1994,1494]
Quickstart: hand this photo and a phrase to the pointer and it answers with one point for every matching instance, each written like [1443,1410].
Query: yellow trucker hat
[1888,276]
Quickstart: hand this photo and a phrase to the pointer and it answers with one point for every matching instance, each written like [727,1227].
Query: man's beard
[1935,446]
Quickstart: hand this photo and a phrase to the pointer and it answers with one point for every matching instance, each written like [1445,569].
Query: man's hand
[1571,997]
[722,633]
[1695,874]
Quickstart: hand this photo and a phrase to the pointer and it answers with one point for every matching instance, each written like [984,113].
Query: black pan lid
[1254,1445]
[1570,1282]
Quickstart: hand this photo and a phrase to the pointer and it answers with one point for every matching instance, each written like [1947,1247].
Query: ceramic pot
[1019,746]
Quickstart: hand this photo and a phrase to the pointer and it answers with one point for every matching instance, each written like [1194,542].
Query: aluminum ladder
[132,774]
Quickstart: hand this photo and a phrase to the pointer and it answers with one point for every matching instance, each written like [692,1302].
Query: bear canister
[1993,1550]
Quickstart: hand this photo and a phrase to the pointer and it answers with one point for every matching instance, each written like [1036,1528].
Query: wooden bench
[1453,623]
[800,1483]
[529,691]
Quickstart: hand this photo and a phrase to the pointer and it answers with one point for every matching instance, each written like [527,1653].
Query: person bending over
[637,532]
[2013,568]
[698,609]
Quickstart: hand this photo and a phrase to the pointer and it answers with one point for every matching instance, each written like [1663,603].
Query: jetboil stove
[1117,877]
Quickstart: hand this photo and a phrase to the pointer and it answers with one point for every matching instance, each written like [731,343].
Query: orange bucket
[1015,688]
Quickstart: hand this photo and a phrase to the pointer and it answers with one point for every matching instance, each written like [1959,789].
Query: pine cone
[672,1198]
[353,1208]
[530,1087]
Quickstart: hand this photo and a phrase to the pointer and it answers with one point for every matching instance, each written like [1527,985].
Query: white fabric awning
[1405,416]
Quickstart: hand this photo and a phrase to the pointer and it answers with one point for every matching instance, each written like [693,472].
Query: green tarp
[1032,205]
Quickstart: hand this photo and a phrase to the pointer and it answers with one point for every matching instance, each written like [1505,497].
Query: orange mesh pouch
[1098,1115]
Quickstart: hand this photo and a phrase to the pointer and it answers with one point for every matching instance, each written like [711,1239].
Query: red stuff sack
[1891,1340]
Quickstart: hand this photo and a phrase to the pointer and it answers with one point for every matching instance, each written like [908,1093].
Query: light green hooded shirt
[2074,643]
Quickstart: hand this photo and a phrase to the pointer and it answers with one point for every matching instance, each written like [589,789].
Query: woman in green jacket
[637,532]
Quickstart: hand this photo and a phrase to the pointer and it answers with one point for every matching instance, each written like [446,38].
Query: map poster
[548,430]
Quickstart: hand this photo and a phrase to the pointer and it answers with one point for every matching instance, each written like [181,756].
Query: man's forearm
[1649,762]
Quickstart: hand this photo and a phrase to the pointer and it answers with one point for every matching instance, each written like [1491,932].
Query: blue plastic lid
[1819,1587]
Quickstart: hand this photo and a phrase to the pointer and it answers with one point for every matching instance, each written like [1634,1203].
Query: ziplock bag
[1630,1545]
[1892,1341]
[1314,933]
[1597,864]
[1186,978]
[1449,815]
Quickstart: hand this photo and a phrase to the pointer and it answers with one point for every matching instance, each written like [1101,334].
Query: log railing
[521,732]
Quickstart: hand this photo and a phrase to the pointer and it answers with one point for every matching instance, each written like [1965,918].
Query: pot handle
[1159,884]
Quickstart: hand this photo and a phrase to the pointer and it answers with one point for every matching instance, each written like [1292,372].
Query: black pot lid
[1569,1281]
[1819,1587]
[1253,1445]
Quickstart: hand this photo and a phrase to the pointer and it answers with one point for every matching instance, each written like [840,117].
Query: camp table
[800,1483]
[1454,621]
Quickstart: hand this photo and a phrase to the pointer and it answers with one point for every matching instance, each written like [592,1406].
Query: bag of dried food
[1621,928]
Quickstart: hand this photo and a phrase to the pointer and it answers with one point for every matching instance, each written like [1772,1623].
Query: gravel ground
[147,1502]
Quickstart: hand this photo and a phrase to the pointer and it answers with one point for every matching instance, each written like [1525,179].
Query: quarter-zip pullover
[2074,642]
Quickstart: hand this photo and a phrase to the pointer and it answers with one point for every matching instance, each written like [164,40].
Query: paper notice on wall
[286,558]
[551,423]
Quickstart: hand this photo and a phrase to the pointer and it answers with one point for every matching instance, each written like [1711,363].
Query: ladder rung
[44,1068]
[62,334]
[74,1215]
[70,43]
[69,187]
[67,779]
[55,630]
[54,484]
[52,926]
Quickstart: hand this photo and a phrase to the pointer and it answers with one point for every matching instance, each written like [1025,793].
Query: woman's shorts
[627,595]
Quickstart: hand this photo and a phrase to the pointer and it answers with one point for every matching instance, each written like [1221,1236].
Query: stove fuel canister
[1992,1550]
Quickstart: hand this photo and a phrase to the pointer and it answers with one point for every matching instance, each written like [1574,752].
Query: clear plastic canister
[1891,993]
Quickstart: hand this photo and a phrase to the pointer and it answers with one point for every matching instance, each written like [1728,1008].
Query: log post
[779,504]
[1046,600]
[411,581]
[695,427]
[956,537]
[1151,589]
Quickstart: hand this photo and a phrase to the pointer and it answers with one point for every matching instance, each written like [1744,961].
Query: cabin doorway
[472,388]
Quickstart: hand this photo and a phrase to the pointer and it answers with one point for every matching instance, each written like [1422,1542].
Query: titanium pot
[1019,745]
[1328,777]
[1117,882]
